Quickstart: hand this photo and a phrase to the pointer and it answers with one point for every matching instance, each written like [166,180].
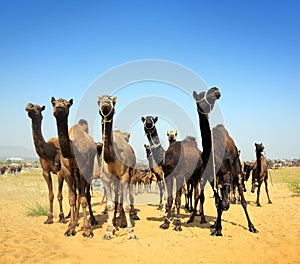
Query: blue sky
[249,49]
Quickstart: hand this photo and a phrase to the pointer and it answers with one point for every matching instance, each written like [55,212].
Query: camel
[172,136]
[49,156]
[181,161]
[77,162]
[226,160]
[158,172]
[260,173]
[118,164]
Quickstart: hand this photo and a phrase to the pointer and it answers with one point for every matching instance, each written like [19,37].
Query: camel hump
[190,140]
[55,142]
[123,149]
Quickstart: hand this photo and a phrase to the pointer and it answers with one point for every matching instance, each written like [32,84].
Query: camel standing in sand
[260,173]
[78,153]
[158,172]
[225,162]
[180,162]
[118,164]
[49,155]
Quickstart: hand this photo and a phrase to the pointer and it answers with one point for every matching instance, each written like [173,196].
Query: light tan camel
[172,136]
[119,162]
[78,153]
[49,156]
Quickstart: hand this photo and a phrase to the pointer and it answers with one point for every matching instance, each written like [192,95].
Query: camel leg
[133,212]
[167,221]
[160,187]
[258,193]
[88,197]
[62,218]
[86,227]
[178,204]
[267,191]
[244,204]
[110,210]
[72,202]
[48,179]
[126,207]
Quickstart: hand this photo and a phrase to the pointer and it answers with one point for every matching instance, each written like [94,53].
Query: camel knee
[51,196]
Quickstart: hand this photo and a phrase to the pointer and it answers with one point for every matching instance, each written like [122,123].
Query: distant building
[15,159]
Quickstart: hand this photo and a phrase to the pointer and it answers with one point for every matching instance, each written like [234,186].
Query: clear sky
[248,49]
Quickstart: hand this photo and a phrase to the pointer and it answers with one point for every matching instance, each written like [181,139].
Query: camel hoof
[135,217]
[94,222]
[253,229]
[191,220]
[165,226]
[259,205]
[70,232]
[49,220]
[108,236]
[178,228]
[270,202]
[203,220]
[88,234]
[216,233]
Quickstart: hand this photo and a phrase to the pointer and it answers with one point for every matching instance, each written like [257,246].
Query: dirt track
[26,239]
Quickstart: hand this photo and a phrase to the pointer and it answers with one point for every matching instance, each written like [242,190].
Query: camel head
[148,150]
[172,135]
[107,106]
[61,106]
[206,100]
[149,123]
[259,147]
[35,111]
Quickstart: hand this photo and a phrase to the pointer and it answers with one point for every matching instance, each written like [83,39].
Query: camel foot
[135,217]
[216,232]
[160,206]
[131,234]
[270,202]
[88,233]
[259,205]
[94,221]
[49,219]
[110,232]
[203,220]
[191,220]
[178,228]
[165,225]
[70,232]
[253,229]
[62,218]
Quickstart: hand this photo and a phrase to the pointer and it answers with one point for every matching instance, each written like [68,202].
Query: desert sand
[25,239]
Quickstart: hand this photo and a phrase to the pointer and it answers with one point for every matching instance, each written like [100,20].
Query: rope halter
[204,99]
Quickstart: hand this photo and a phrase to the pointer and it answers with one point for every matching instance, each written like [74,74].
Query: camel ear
[98,99]
[145,146]
[71,102]
[52,100]
[195,95]
[43,108]
[143,119]
[168,133]
[155,119]
[115,99]
[176,133]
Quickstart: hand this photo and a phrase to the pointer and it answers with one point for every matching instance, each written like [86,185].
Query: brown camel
[49,156]
[119,162]
[225,161]
[260,173]
[78,153]
[180,162]
[158,172]
[172,136]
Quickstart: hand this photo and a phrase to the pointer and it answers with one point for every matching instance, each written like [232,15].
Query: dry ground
[26,239]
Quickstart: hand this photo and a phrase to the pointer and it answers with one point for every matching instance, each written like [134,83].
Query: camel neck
[38,139]
[63,136]
[206,136]
[258,160]
[150,160]
[157,150]
[107,138]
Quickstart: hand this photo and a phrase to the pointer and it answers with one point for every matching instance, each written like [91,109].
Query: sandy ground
[26,239]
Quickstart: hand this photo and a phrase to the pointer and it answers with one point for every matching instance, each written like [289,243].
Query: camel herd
[75,158]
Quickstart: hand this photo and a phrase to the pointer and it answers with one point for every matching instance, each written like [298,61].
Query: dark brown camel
[78,153]
[118,164]
[181,161]
[226,162]
[260,173]
[158,172]
[49,156]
